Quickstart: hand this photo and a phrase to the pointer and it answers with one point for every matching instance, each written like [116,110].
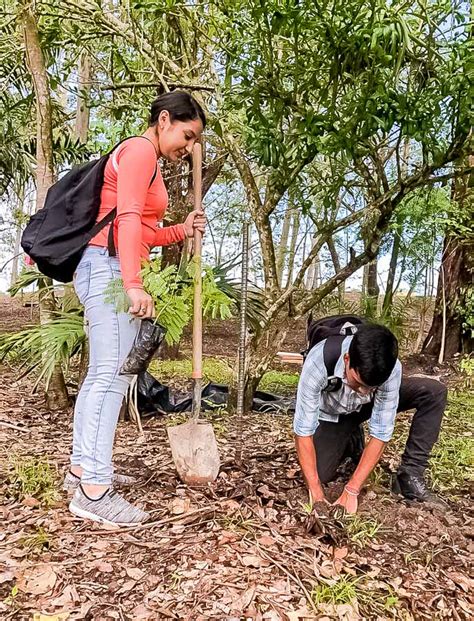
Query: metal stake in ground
[193,444]
[242,343]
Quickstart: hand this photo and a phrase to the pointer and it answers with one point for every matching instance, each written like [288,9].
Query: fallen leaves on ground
[238,549]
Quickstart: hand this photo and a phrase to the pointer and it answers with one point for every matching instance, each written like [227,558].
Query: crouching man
[352,374]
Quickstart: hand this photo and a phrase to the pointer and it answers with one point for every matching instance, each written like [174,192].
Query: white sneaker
[110,508]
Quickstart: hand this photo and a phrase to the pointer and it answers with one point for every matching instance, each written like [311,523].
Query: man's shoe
[413,487]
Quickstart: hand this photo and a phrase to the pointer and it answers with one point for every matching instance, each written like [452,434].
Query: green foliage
[452,460]
[43,347]
[32,476]
[361,529]
[279,381]
[218,370]
[37,542]
[29,276]
[172,290]
[371,601]
[395,317]
[214,369]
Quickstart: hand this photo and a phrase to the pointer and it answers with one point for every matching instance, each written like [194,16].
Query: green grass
[451,464]
[214,369]
[277,381]
[452,461]
[361,529]
[237,523]
[353,590]
[37,542]
[219,371]
[34,477]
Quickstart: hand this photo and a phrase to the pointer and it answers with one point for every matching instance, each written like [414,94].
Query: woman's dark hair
[373,353]
[181,107]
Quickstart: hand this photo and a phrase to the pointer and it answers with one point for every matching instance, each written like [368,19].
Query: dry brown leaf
[134,573]
[301,614]
[266,541]
[127,586]
[6,576]
[62,616]
[252,560]
[465,582]
[243,601]
[180,506]
[102,566]
[340,553]
[67,598]
[37,580]
[30,501]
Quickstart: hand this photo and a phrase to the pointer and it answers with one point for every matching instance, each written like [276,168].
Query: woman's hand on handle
[196,221]
[141,304]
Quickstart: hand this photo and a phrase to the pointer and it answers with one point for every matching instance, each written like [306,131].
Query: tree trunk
[292,250]
[282,251]
[83,93]
[389,291]
[260,356]
[17,248]
[455,282]
[56,396]
[373,289]
[337,266]
[455,279]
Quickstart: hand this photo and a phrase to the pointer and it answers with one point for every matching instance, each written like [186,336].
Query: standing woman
[133,183]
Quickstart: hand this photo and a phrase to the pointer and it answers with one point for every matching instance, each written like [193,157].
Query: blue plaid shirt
[313,403]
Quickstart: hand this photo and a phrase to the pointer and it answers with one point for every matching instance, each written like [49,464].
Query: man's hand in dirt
[316,493]
[348,501]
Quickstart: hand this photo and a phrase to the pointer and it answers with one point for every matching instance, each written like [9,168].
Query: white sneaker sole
[88,515]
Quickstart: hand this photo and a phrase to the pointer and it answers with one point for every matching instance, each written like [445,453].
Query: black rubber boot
[413,487]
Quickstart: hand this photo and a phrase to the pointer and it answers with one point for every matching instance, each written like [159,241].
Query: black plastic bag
[146,344]
[153,398]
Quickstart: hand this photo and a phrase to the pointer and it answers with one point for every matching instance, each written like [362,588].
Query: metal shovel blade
[195,453]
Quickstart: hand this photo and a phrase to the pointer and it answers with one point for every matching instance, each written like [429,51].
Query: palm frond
[45,346]
[26,278]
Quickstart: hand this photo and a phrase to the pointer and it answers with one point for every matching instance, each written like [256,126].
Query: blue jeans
[111,335]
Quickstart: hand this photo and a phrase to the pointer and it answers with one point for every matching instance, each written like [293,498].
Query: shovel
[193,444]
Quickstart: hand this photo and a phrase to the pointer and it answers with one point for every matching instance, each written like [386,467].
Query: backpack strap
[110,238]
[331,353]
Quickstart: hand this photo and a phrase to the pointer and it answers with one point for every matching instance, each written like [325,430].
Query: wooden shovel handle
[197,316]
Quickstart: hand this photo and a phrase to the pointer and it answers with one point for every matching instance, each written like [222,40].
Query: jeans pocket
[82,279]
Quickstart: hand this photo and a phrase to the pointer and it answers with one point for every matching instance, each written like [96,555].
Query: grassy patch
[37,542]
[34,477]
[237,523]
[452,461]
[361,529]
[219,371]
[371,599]
[214,369]
[277,381]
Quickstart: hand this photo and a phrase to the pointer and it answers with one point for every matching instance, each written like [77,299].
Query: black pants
[426,396]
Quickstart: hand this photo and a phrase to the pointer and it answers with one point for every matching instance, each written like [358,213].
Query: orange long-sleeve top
[140,207]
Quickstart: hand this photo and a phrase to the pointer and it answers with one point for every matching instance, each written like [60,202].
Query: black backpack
[334,327]
[57,235]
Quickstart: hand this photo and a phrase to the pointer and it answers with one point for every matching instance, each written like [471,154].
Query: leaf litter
[237,550]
